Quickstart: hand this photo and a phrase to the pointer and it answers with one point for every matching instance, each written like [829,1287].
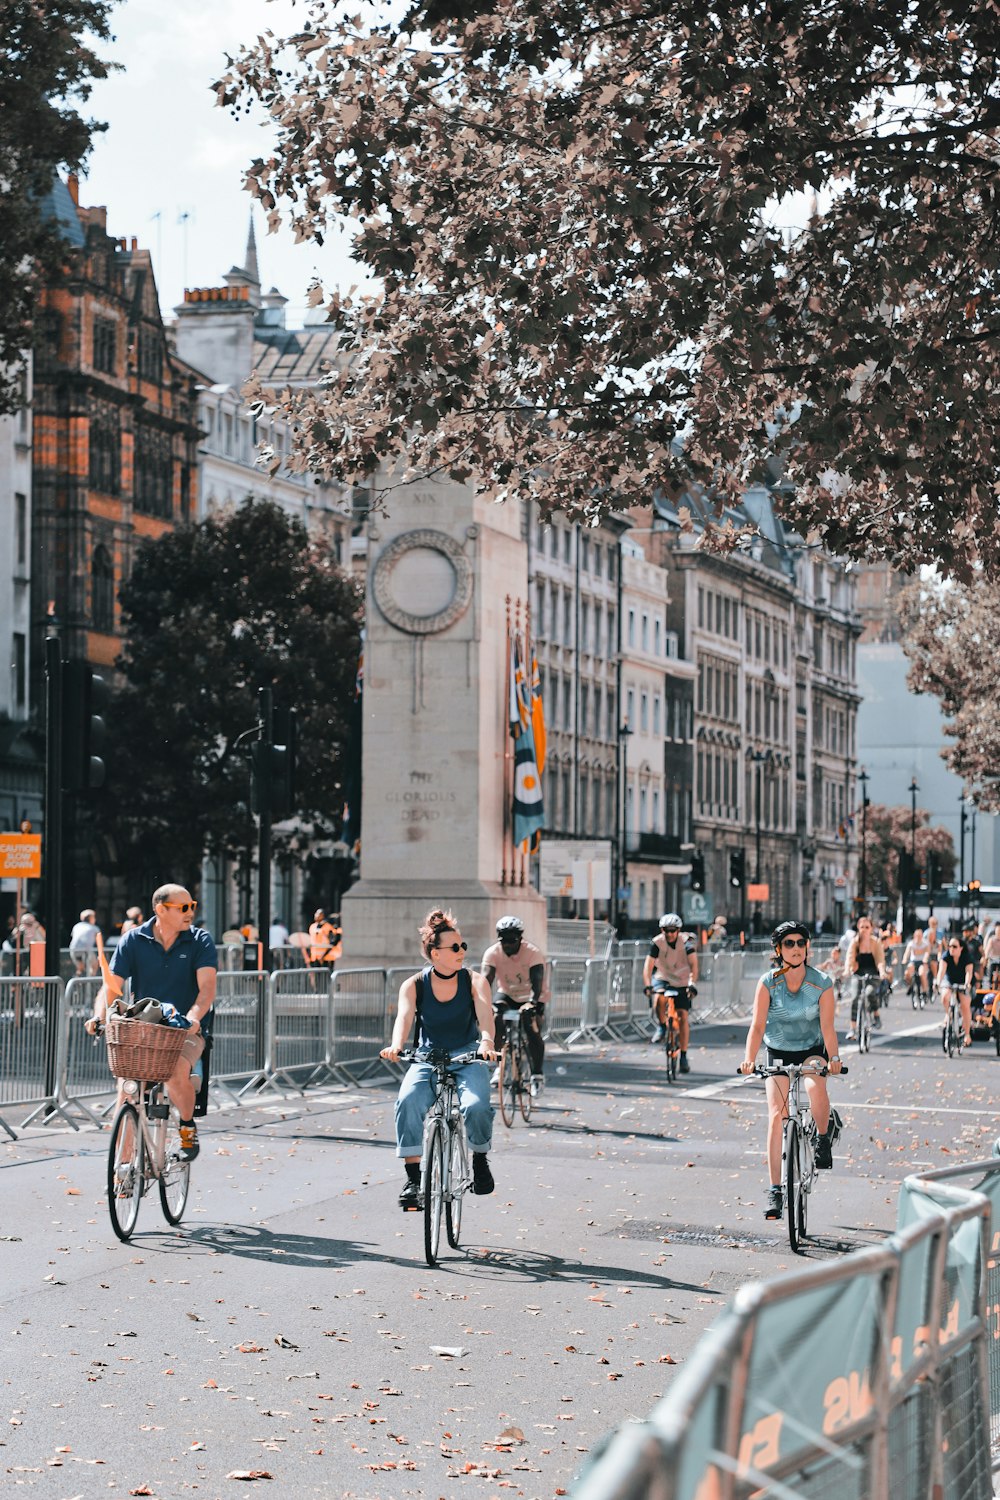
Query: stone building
[771,633]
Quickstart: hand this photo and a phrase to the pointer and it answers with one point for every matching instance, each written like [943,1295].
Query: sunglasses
[793,942]
[451,947]
[184,906]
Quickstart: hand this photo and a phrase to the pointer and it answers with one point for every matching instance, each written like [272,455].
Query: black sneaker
[824,1152]
[684,1065]
[189,1142]
[775,1203]
[410,1196]
[482,1177]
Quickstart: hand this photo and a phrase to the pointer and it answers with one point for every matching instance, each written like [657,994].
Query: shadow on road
[526,1265]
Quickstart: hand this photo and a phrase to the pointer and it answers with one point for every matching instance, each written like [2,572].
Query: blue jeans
[416,1095]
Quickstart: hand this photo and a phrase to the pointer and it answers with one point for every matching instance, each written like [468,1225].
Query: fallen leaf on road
[142,1489]
[249,1474]
[511,1435]
[250,1348]
[284,1343]
[448,1353]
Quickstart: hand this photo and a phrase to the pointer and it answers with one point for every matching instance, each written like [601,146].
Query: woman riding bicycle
[865,961]
[793,1013]
[954,977]
[916,962]
[454,1012]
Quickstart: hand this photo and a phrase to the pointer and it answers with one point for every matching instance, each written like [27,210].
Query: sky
[170,150]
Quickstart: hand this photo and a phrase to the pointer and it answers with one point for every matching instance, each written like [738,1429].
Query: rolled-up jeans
[416,1095]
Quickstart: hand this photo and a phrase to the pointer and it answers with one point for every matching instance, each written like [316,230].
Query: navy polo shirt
[165,973]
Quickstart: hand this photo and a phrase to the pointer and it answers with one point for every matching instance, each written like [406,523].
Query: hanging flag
[529,814]
[537,714]
[517,708]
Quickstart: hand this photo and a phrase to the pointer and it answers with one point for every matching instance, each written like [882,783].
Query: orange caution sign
[21,855]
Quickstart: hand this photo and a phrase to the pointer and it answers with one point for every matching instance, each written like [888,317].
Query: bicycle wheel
[125,1165]
[175,1177]
[433,1192]
[807,1174]
[863,1024]
[508,1082]
[793,1184]
[671,1048]
[523,1079]
[950,1038]
[458,1182]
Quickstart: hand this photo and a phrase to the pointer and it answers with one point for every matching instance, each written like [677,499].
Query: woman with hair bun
[454,1013]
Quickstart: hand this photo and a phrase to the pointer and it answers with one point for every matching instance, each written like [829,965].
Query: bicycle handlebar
[438,1058]
[761,1070]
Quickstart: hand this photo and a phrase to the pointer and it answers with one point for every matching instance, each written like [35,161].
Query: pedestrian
[322,939]
[277,942]
[83,943]
[133,918]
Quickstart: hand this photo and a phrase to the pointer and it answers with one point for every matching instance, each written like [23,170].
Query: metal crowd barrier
[360,1022]
[861,1379]
[299,1009]
[28,1009]
[84,1074]
[235,1066]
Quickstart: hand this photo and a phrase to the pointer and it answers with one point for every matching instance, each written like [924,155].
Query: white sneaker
[495,1077]
[537,1085]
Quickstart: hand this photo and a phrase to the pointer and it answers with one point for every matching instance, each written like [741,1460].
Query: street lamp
[758,757]
[961,857]
[864,778]
[914,788]
[623,738]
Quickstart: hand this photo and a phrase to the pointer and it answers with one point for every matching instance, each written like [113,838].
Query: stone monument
[436,760]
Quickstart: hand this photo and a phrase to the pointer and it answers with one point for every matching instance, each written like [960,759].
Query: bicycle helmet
[671,922]
[789,929]
[509,924]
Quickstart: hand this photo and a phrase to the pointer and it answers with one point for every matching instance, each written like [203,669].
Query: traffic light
[907,872]
[85,696]
[272,782]
[737,868]
[933,870]
[697,872]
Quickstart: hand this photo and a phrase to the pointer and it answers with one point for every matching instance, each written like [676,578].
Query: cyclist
[671,963]
[519,969]
[991,953]
[973,944]
[793,1013]
[865,959]
[169,959]
[454,1013]
[954,976]
[916,967]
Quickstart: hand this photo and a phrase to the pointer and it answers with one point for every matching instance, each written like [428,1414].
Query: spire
[250,268]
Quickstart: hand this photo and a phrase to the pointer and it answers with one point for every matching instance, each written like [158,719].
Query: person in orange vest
[324,939]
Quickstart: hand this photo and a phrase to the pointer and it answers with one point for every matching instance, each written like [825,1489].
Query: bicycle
[671,1023]
[515,1069]
[798,1144]
[445,1159]
[951,1033]
[868,992]
[145,1143]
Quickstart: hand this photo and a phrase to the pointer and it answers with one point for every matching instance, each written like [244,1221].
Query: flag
[537,714]
[528,811]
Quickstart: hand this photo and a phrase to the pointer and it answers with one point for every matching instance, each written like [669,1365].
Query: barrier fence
[298,1026]
[870,1378]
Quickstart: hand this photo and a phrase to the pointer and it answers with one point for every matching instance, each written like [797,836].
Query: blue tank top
[793,1019]
[446,1025]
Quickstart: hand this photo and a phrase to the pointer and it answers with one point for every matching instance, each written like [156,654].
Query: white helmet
[671,922]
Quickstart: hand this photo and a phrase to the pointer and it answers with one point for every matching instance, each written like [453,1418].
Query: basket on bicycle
[145,1050]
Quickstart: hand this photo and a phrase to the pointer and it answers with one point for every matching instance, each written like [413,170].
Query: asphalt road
[291,1325]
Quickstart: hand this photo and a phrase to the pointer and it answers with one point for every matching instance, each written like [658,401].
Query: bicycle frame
[445,1169]
[515,1070]
[137,1157]
[798,1145]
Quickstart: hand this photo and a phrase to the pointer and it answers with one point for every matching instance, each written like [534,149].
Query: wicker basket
[145,1050]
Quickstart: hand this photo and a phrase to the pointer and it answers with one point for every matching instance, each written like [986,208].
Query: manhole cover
[692,1234]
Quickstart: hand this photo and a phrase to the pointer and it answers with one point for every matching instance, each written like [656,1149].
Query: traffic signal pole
[265,701]
[52,856]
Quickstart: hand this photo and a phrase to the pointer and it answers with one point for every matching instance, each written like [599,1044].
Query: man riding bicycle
[519,969]
[671,964]
[793,1013]
[171,960]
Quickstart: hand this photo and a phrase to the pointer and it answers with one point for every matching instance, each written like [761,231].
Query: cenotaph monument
[446,571]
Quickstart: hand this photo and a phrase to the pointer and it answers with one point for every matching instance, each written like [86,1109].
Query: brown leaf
[249,1474]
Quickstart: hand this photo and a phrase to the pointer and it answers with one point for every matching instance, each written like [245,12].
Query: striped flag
[537,713]
[529,814]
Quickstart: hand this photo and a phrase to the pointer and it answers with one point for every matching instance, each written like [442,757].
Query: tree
[888,831]
[949,634]
[585,290]
[213,612]
[46,64]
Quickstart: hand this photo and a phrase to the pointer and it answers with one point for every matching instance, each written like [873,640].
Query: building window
[103,590]
[153,471]
[644,713]
[105,449]
[21,530]
[631,627]
[105,345]
[150,356]
[19,670]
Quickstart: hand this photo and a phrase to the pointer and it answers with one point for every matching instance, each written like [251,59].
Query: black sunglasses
[451,947]
[793,942]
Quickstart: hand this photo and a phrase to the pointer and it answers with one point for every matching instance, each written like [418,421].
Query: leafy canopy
[950,638]
[48,60]
[888,831]
[577,213]
[213,612]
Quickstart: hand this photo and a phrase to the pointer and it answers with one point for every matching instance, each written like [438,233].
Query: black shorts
[787,1055]
[682,1000]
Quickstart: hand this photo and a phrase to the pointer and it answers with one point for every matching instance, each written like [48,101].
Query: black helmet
[510,924]
[789,929]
